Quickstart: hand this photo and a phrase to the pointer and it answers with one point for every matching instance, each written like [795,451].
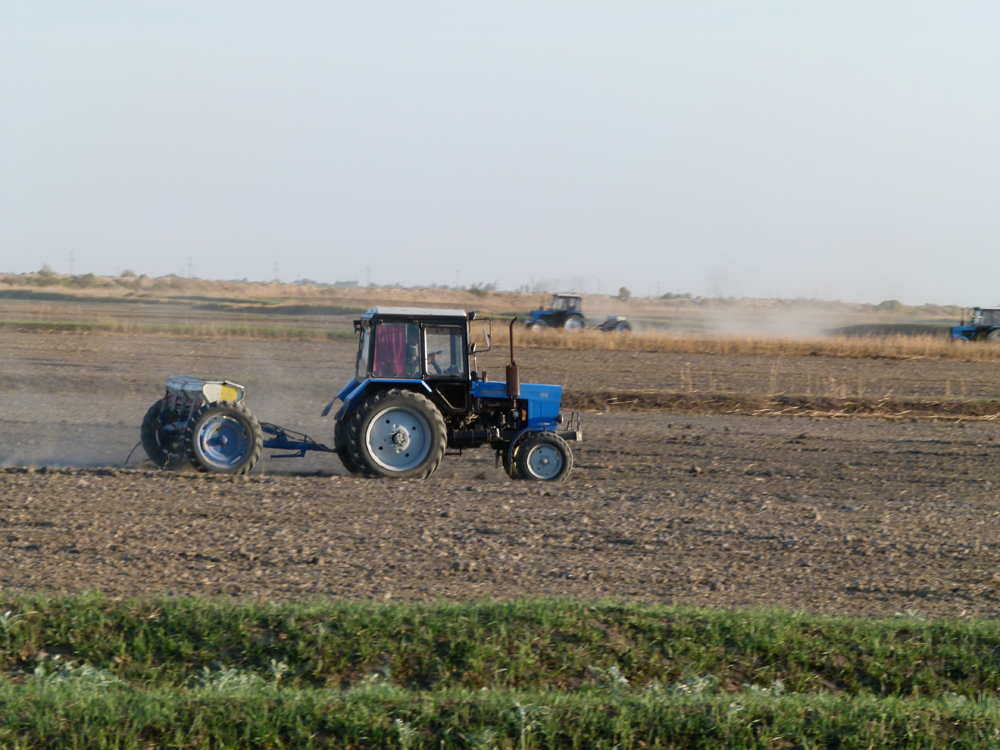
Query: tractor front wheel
[543,456]
[224,438]
[537,326]
[162,447]
[398,434]
[509,466]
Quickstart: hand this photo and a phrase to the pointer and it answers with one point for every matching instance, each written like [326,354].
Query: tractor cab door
[446,366]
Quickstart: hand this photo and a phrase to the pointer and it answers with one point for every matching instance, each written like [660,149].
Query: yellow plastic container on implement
[184,388]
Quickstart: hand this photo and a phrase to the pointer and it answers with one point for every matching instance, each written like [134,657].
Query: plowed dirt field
[861,515]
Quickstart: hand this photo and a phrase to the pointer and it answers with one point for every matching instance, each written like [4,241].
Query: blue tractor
[983,325]
[416,393]
[566,312]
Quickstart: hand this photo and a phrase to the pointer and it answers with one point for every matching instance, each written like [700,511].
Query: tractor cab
[983,325]
[566,311]
[412,344]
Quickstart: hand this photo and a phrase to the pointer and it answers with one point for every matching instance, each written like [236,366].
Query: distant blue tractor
[566,312]
[983,325]
[415,393]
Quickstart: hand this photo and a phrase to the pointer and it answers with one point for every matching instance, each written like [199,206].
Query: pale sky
[843,150]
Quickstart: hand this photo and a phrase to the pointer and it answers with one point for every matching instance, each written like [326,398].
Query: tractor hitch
[289,440]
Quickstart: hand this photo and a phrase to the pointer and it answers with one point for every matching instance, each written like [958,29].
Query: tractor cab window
[568,304]
[990,318]
[445,351]
[363,350]
[397,350]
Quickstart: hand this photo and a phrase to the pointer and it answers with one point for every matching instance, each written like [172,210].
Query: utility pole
[368,275]
[190,274]
[70,262]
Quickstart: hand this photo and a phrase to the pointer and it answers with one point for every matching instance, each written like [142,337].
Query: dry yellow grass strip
[887,347]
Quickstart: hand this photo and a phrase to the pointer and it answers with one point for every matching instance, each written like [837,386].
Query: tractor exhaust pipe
[513,375]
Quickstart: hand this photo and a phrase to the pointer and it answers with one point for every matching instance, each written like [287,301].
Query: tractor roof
[561,294]
[414,313]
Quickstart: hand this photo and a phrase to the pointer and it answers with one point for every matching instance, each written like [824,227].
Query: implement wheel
[163,448]
[543,456]
[223,438]
[398,434]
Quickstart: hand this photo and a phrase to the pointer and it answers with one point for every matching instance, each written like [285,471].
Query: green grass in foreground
[192,673]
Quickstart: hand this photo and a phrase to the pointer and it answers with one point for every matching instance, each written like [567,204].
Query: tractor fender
[342,395]
[359,392]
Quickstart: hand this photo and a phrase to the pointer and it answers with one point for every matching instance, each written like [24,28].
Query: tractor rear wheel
[993,337]
[543,456]
[340,445]
[224,438]
[573,324]
[163,448]
[398,434]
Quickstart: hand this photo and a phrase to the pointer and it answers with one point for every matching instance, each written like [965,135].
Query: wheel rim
[574,325]
[398,439]
[544,461]
[222,441]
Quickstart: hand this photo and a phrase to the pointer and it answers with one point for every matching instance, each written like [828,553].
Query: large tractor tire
[340,445]
[223,438]
[398,434]
[543,456]
[163,448]
[573,324]
[993,337]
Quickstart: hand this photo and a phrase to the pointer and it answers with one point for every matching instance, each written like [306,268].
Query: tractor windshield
[445,351]
[397,350]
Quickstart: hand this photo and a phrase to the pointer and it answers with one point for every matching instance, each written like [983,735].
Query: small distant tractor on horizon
[566,312]
[983,325]
[416,392]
